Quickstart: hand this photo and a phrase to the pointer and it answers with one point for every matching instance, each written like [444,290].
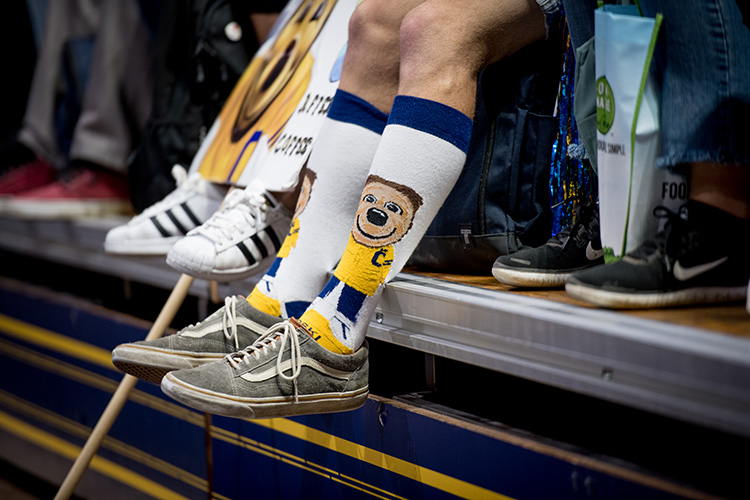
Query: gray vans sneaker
[285,372]
[231,328]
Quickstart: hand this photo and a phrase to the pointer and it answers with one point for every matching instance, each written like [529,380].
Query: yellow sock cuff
[320,331]
[264,303]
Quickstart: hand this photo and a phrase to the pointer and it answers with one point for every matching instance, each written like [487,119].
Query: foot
[572,249]
[236,241]
[285,372]
[231,328]
[697,259]
[24,177]
[81,191]
[156,229]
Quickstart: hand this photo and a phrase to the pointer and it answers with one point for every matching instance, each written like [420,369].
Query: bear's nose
[377,217]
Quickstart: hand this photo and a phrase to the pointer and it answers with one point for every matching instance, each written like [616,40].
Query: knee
[374,25]
[432,39]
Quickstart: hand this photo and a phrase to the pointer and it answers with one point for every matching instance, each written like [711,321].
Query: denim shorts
[704,66]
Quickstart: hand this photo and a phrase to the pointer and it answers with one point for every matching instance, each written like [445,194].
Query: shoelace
[243,209]
[229,320]
[276,338]
[581,229]
[674,239]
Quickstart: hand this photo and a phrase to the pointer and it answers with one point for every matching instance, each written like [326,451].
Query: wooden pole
[167,314]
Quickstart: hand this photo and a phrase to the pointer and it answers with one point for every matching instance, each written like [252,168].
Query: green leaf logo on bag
[605,105]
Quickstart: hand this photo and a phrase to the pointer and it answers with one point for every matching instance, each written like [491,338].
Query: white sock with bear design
[334,176]
[418,160]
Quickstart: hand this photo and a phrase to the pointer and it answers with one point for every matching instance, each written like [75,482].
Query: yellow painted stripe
[103,466]
[312,468]
[43,415]
[368,455]
[51,340]
[407,469]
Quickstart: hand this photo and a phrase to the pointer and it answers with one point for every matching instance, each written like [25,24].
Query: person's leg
[321,360]
[576,246]
[421,154]
[65,20]
[338,165]
[39,152]
[116,103]
[331,185]
[120,92]
[700,257]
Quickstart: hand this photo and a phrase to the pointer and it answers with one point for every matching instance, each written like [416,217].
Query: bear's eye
[369,198]
[394,208]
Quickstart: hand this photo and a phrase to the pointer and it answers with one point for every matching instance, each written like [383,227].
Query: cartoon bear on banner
[267,94]
[385,215]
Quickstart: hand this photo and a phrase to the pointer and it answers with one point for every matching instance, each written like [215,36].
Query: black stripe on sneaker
[274,239]
[261,246]
[176,222]
[190,214]
[249,256]
[159,227]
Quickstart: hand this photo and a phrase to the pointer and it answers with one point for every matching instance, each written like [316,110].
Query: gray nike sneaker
[285,372]
[696,259]
[231,328]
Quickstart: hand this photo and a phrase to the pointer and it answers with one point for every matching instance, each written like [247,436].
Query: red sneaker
[81,192]
[26,176]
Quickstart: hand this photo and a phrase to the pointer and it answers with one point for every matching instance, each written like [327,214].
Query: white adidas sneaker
[244,235]
[158,227]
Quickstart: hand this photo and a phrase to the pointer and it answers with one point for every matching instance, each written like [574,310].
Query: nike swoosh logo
[688,273]
[593,254]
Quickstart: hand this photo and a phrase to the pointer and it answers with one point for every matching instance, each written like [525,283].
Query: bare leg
[726,187]
[371,64]
[444,44]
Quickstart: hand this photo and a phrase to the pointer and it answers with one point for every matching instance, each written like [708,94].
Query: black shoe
[572,249]
[697,259]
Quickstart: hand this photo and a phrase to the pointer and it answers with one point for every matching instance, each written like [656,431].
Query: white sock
[334,177]
[418,161]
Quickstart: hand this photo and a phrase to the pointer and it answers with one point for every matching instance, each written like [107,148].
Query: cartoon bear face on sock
[385,213]
[308,178]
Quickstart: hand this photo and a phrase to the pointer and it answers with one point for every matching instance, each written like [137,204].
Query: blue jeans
[579,15]
[704,63]
[704,67]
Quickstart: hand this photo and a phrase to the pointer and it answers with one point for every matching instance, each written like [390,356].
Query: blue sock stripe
[349,108]
[433,118]
[296,308]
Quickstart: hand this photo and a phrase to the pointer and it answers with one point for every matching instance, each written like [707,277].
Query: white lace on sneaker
[243,209]
[229,319]
[247,232]
[275,339]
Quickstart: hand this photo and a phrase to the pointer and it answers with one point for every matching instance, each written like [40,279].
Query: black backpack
[197,66]
[501,199]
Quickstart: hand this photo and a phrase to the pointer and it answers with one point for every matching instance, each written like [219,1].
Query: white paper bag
[628,136]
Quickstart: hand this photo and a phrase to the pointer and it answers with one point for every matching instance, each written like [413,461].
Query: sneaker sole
[151,364]
[156,246]
[66,209]
[625,300]
[237,407]
[236,274]
[530,279]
